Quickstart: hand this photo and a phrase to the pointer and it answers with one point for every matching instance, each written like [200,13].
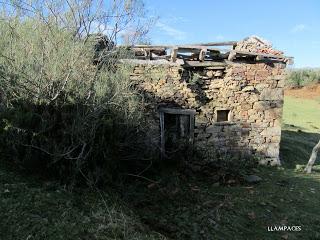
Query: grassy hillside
[303,114]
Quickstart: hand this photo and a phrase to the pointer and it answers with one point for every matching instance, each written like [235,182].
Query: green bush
[302,77]
[61,112]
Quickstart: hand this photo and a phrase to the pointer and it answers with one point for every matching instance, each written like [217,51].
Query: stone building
[229,99]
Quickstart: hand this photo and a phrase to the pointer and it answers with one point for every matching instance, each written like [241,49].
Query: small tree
[57,106]
[313,158]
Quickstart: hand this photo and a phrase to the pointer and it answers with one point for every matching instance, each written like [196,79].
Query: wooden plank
[216,68]
[180,47]
[150,48]
[162,136]
[147,54]
[196,47]
[178,111]
[189,50]
[204,64]
[191,129]
[258,54]
[259,58]
[232,55]
[228,43]
[174,53]
[156,57]
[289,61]
[202,55]
[261,54]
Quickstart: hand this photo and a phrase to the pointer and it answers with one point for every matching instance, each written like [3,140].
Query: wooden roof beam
[190,64]
[195,45]
[259,56]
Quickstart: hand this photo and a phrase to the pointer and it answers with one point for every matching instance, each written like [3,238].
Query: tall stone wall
[252,92]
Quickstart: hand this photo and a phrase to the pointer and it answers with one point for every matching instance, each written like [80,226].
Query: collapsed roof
[210,54]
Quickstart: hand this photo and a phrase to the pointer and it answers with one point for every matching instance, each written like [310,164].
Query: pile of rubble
[257,45]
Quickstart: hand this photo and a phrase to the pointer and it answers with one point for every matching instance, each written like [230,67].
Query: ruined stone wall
[252,92]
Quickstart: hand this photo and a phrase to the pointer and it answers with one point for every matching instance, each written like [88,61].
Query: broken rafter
[229,43]
[154,49]
[194,51]
[202,53]
[198,51]
[204,64]
[259,56]
[178,111]
[174,54]
[232,55]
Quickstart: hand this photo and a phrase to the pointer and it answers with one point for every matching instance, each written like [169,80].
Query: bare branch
[313,158]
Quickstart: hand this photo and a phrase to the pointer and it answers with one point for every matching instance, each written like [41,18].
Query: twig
[142,177]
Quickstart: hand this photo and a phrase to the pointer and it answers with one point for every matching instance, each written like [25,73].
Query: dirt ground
[307,92]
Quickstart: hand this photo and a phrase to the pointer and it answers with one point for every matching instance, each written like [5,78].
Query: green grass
[191,208]
[33,209]
[184,208]
[296,147]
[303,114]
[178,206]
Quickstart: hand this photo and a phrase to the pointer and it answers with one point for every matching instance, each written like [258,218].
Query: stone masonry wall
[252,92]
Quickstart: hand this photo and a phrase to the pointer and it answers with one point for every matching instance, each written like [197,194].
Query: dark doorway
[177,130]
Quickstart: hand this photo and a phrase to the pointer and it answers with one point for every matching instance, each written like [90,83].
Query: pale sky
[292,26]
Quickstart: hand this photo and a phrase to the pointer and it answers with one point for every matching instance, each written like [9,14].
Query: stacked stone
[256,44]
[166,86]
[174,84]
[253,93]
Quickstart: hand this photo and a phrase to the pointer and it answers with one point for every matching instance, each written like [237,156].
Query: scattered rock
[299,167]
[248,89]
[252,215]
[216,184]
[257,44]
[252,179]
